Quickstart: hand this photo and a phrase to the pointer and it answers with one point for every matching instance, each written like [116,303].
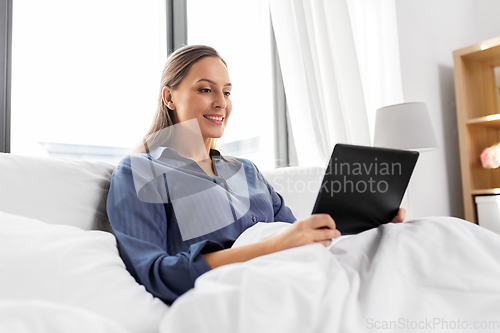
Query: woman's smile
[215,118]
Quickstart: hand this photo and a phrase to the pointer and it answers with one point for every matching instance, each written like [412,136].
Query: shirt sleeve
[281,211]
[141,231]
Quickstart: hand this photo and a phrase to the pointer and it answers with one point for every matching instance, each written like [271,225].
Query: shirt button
[254,218]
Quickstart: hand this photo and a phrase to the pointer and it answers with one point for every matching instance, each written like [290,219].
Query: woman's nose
[220,101]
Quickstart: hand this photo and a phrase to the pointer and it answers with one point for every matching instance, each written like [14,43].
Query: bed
[60,270]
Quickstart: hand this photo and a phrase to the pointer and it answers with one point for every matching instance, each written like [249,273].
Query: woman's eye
[205,90]
[227,93]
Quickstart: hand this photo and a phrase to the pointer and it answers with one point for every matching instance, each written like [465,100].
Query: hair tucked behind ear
[176,69]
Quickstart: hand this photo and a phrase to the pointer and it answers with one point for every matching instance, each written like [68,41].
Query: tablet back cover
[363,186]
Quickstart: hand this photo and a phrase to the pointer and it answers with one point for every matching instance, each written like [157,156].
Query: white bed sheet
[425,275]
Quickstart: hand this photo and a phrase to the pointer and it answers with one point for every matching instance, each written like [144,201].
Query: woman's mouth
[215,119]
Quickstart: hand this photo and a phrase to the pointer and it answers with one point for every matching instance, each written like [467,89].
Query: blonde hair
[175,70]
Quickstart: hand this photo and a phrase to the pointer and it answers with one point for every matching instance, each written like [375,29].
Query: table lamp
[405,126]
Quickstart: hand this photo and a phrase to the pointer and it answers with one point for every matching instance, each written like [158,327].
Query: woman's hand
[318,228]
[400,217]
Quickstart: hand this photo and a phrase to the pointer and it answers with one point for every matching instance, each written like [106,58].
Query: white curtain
[375,33]
[322,75]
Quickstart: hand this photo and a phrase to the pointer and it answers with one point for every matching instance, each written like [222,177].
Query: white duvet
[430,275]
[433,275]
[39,316]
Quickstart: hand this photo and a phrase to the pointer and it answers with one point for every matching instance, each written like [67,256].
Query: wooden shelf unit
[478,118]
[486,191]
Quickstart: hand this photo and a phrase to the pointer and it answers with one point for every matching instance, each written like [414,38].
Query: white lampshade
[404,126]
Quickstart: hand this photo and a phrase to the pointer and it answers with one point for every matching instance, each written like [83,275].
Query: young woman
[177,206]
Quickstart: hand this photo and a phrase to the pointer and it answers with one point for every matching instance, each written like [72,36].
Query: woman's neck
[196,152]
[188,142]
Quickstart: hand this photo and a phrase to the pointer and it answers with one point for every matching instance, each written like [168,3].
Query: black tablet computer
[363,186]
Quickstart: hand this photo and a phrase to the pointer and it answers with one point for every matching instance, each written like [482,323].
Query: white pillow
[67,265]
[55,190]
[299,186]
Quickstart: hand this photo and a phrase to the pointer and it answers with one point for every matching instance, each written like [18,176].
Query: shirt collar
[156,153]
[171,153]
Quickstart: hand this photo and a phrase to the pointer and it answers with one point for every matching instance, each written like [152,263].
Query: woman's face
[203,95]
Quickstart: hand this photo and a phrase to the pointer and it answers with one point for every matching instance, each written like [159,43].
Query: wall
[429,31]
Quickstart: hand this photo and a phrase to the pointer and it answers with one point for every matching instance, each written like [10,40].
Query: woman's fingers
[318,228]
[326,243]
[321,221]
[400,217]
[324,234]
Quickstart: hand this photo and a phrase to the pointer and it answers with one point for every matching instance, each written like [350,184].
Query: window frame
[5,73]
[282,134]
[176,24]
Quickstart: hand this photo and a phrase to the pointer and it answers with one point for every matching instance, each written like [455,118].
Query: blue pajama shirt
[166,212]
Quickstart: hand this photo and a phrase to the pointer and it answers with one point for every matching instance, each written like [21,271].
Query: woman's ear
[167,95]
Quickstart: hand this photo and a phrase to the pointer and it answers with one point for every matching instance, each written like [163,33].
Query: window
[85,76]
[240,31]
